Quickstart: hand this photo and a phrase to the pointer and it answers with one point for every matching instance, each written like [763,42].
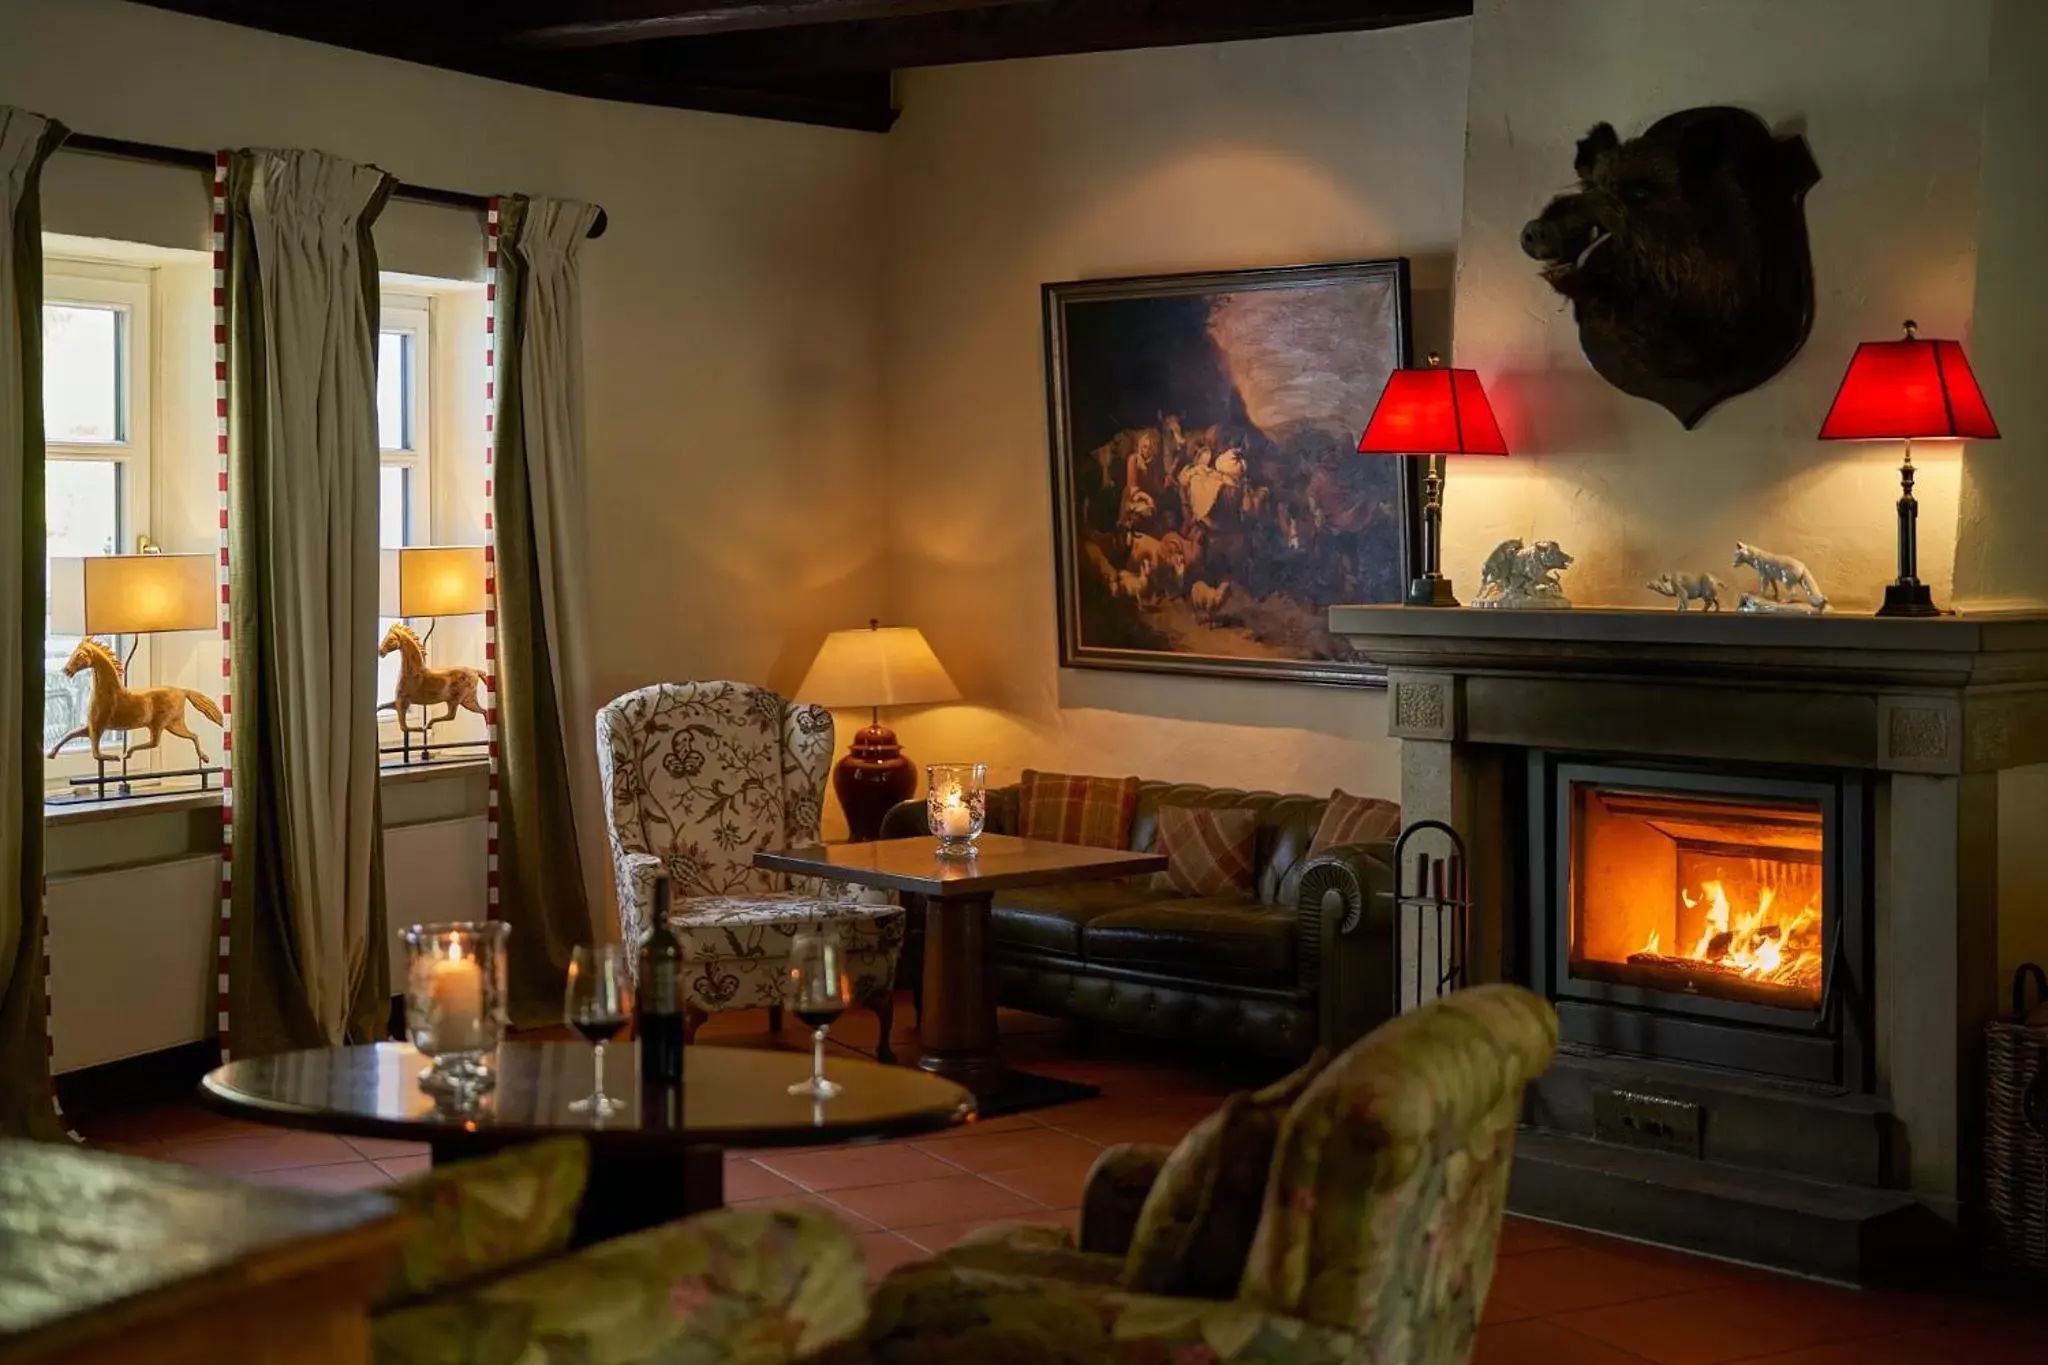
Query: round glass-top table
[646,1167]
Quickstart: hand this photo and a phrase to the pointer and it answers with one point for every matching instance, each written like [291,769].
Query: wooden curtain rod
[203,161]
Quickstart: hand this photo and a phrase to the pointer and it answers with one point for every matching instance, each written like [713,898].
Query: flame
[1752,943]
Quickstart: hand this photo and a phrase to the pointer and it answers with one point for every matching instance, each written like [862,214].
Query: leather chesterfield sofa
[1304,960]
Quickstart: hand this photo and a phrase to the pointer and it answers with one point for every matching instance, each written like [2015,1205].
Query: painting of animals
[1210,504]
[1684,254]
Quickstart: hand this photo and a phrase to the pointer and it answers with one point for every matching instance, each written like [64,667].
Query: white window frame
[412,314]
[132,291]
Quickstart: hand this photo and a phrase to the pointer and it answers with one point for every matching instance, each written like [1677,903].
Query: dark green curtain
[26,1107]
[536,472]
[308,964]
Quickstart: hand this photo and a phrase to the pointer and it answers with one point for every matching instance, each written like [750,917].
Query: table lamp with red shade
[873,668]
[1433,412]
[1899,391]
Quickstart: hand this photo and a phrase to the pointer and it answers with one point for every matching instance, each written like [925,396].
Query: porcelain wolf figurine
[1781,575]
[1688,588]
[1519,575]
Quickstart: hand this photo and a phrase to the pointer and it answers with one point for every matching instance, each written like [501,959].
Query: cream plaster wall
[1999,559]
[1891,96]
[1007,175]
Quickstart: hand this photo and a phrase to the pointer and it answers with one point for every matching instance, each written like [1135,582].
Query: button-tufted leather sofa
[1303,960]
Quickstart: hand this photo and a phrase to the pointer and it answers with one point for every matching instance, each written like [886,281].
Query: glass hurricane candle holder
[455,1005]
[956,805]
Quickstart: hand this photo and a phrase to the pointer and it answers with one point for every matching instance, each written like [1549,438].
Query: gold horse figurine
[424,687]
[115,707]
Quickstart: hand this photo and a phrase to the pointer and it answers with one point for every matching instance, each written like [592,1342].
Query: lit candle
[955,820]
[456,996]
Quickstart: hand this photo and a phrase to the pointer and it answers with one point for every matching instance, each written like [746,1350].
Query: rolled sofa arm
[905,820]
[1344,917]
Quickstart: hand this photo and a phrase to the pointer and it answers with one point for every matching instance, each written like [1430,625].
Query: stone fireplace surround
[1842,1179]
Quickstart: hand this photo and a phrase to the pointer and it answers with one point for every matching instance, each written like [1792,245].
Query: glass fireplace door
[1698,895]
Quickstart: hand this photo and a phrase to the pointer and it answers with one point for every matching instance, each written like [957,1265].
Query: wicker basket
[2016,1132]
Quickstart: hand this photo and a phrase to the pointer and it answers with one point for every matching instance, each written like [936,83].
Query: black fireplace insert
[1718,916]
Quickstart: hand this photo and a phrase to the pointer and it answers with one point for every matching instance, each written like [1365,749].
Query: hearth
[1716,915]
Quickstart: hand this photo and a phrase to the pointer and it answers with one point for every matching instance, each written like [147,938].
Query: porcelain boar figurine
[1684,254]
[1687,588]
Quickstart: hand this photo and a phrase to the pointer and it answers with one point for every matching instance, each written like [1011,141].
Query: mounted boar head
[1684,254]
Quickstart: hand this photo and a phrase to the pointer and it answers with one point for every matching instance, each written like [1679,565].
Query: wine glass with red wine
[819,991]
[597,1004]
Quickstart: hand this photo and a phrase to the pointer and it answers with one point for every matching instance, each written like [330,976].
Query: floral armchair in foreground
[1374,1242]
[698,778]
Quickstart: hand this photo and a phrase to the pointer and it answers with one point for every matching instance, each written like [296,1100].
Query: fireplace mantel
[1943,652]
[1955,694]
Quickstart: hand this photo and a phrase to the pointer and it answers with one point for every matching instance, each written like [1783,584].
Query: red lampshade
[1906,390]
[1433,412]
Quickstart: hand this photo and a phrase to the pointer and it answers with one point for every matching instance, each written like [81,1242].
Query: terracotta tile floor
[1560,1297]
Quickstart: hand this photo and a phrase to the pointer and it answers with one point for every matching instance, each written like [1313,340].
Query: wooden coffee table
[645,1169]
[114,1260]
[957,1023]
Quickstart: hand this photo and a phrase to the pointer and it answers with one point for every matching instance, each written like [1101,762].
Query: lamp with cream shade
[431,581]
[877,667]
[135,595]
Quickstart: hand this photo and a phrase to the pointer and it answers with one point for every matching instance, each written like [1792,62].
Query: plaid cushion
[1094,811]
[1355,820]
[1208,850]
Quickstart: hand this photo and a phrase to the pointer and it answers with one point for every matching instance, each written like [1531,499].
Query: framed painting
[1209,501]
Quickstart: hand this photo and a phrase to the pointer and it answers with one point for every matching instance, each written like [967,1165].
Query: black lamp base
[1431,590]
[1908,599]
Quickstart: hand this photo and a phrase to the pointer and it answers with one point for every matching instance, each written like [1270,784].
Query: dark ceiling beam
[1045,29]
[609,22]
[430,35]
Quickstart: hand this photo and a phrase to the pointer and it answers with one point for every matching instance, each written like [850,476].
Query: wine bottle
[658,1008]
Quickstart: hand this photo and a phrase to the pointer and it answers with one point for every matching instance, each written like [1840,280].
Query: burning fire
[1751,943]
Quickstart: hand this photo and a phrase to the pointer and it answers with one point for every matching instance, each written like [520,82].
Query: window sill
[170,803]
[88,838]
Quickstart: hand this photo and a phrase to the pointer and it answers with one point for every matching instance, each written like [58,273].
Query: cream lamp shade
[133,594]
[431,580]
[879,666]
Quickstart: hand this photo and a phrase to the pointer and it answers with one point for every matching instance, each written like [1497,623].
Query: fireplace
[1712,915]
[1795,1083]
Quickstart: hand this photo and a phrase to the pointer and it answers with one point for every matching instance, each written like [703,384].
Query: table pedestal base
[629,1190]
[957,1023]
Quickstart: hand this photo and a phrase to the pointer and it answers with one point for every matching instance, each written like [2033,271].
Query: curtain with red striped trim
[544,811]
[305,891]
[27,1101]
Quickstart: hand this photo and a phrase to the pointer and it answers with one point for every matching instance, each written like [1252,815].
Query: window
[404,427]
[98,363]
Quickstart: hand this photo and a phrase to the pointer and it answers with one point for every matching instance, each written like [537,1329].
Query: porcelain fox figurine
[1781,575]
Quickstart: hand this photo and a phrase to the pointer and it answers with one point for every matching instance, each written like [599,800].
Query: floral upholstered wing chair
[698,778]
[1374,1244]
